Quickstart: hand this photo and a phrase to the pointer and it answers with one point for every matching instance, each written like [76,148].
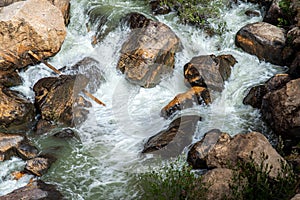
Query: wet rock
[171,141]
[16,112]
[10,78]
[90,68]
[65,133]
[281,109]
[37,190]
[196,95]
[252,13]
[218,181]
[264,40]
[136,20]
[160,8]
[222,151]
[16,145]
[198,153]
[58,99]
[255,96]
[34,25]
[209,71]
[143,60]
[38,166]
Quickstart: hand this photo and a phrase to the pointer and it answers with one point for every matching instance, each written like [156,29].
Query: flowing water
[99,164]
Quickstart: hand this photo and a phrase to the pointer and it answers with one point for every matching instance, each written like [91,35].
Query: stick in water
[58,72]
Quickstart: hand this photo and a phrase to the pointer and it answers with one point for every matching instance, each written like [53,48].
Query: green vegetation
[288,14]
[253,182]
[197,13]
[174,180]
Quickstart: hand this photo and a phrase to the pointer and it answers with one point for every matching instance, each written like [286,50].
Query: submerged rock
[58,99]
[143,59]
[91,69]
[171,141]
[196,95]
[37,190]
[264,40]
[219,150]
[16,113]
[209,71]
[16,145]
[34,25]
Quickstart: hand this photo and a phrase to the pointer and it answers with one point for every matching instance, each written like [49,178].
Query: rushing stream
[99,164]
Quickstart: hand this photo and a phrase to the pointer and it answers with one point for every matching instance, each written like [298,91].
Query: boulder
[37,190]
[10,78]
[222,151]
[16,112]
[16,145]
[34,25]
[64,7]
[65,133]
[256,93]
[273,13]
[294,69]
[171,141]
[143,59]
[296,197]
[159,8]
[91,69]
[218,183]
[209,71]
[196,95]
[38,166]
[281,109]
[264,40]
[58,100]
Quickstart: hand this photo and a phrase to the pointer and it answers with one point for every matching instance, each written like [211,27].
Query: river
[99,164]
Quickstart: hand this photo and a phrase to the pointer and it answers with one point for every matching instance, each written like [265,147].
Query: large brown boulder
[219,150]
[196,95]
[58,99]
[64,7]
[148,53]
[37,190]
[264,40]
[34,25]
[218,182]
[10,78]
[38,166]
[281,109]
[209,71]
[171,141]
[16,145]
[16,112]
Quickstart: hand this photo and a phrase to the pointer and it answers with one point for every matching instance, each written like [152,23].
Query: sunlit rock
[34,25]
[58,99]
[16,145]
[37,190]
[148,53]
[195,96]
[264,40]
[209,71]
[16,112]
[219,150]
[38,166]
[171,141]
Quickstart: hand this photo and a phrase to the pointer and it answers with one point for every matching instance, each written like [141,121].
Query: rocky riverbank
[37,29]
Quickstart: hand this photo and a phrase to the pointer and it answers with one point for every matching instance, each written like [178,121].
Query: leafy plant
[174,180]
[287,13]
[253,182]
